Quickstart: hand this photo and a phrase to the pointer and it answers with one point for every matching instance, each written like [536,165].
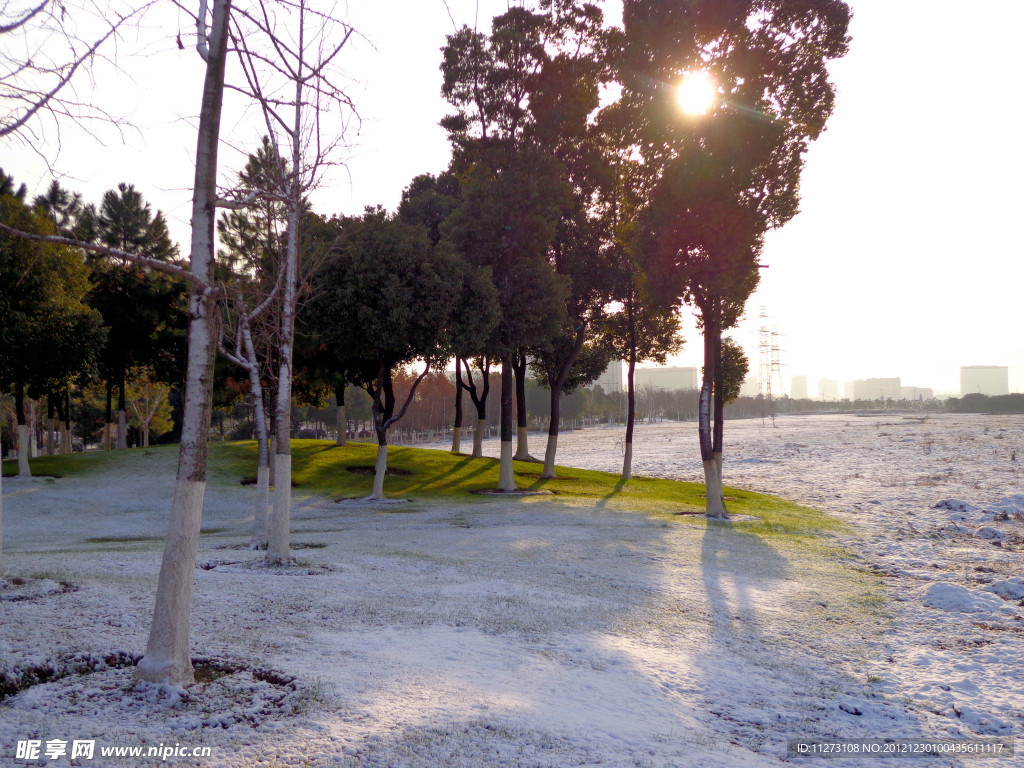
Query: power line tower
[769,379]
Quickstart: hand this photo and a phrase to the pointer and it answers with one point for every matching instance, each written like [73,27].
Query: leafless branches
[44,48]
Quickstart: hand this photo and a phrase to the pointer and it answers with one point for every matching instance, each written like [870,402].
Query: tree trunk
[23,432]
[380,470]
[627,459]
[122,418]
[278,545]
[108,424]
[478,437]
[457,426]
[339,416]
[556,396]
[715,509]
[713,491]
[718,435]
[552,447]
[506,478]
[33,445]
[51,427]
[262,502]
[168,657]
[522,446]
[66,434]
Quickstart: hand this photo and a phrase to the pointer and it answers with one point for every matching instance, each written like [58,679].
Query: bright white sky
[903,262]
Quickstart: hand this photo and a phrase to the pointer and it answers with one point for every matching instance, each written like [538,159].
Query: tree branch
[144,261]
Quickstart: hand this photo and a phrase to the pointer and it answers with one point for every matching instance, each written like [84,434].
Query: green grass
[320,467]
[67,465]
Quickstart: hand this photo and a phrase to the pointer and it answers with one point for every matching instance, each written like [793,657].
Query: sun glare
[696,93]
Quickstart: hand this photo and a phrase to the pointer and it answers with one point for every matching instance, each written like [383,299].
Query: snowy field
[535,632]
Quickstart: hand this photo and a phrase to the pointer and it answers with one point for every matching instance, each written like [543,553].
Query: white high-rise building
[984,380]
[877,389]
[798,387]
[828,390]
[665,377]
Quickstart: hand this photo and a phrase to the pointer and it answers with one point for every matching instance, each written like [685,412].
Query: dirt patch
[516,492]
[20,678]
[17,588]
[368,471]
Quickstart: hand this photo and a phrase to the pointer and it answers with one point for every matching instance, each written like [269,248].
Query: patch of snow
[953,597]
[529,631]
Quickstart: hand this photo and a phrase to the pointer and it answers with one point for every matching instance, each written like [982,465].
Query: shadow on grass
[603,501]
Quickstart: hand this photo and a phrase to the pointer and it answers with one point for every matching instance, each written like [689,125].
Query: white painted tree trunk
[549,456]
[259,526]
[456,439]
[273,453]
[145,435]
[627,462]
[279,535]
[522,445]
[342,424]
[380,471]
[278,545]
[718,470]
[168,657]
[122,431]
[506,478]
[478,438]
[24,440]
[713,488]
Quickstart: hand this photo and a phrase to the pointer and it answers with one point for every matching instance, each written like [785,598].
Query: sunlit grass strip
[67,465]
[321,467]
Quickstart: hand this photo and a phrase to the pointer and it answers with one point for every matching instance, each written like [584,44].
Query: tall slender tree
[722,179]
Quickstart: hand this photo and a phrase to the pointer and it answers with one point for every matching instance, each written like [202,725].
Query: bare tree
[45,47]
[246,357]
[287,50]
[167,657]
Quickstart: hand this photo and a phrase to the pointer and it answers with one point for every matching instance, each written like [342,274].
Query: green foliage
[48,336]
[734,370]
[591,362]
[144,311]
[386,295]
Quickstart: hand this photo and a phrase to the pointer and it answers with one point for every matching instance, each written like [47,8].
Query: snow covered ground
[535,632]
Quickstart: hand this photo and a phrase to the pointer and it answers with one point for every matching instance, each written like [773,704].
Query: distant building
[611,380]
[798,387]
[848,390]
[917,393]
[749,387]
[668,378]
[877,389]
[828,390]
[984,379]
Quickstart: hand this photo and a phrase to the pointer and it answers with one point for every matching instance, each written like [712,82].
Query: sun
[696,93]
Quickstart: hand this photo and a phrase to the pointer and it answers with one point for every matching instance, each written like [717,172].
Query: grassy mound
[322,468]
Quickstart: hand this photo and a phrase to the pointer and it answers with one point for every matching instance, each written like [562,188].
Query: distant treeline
[986,404]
